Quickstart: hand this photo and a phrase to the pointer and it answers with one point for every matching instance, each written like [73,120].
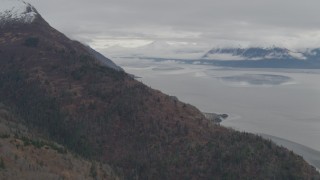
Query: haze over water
[283,103]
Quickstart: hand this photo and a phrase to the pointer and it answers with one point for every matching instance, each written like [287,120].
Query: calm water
[281,103]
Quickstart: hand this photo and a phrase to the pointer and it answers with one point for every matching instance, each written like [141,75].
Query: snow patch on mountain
[298,55]
[16,11]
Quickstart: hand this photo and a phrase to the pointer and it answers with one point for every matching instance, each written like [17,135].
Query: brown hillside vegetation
[54,85]
[23,155]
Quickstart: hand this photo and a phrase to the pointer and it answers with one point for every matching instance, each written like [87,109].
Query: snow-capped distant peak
[253,53]
[16,11]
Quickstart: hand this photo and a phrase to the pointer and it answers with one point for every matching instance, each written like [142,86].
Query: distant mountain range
[258,57]
[244,57]
[252,53]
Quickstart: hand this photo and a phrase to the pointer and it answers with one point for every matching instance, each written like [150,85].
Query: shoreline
[310,155]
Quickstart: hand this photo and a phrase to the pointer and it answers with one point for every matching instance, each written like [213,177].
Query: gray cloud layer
[282,22]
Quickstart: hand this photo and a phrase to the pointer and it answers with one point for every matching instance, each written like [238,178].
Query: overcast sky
[129,23]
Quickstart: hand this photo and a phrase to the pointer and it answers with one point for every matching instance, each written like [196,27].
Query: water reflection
[257,79]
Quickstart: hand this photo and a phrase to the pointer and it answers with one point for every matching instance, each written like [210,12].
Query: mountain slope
[104,60]
[59,88]
[24,155]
